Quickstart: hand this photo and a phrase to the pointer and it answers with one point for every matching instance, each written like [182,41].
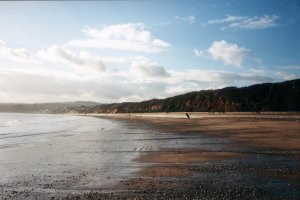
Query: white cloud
[258,70]
[194,80]
[278,74]
[52,78]
[45,86]
[143,80]
[256,22]
[146,69]
[83,59]
[292,67]
[285,75]
[165,23]
[191,19]
[115,59]
[229,53]
[217,77]
[129,37]
[244,22]
[228,19]
[21,53]
[2,43]
[18,54]
[199,53]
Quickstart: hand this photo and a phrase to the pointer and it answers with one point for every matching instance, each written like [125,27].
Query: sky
[117,51]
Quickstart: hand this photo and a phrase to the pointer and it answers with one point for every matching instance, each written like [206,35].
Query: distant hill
[284,96]
[42,107]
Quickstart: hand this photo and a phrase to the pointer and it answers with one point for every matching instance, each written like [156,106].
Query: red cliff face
[155,108]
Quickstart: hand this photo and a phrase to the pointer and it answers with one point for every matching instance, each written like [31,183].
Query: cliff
[284,96]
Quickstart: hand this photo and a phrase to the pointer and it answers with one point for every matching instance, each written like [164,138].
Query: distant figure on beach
[187,115]
[168,109]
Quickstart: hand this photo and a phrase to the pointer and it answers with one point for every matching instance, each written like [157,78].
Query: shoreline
[251,155]
[174,158]
[199,115]
[256,142]
[258,130]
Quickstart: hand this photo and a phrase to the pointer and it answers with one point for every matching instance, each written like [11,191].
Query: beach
[265,130]
[247,156]
[212,156]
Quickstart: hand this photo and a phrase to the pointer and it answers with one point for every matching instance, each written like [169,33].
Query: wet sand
[185,156]
[252,130]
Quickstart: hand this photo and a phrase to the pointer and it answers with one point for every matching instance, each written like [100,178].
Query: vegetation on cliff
[284,96]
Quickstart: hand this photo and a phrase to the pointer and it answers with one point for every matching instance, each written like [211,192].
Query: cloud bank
[45,86]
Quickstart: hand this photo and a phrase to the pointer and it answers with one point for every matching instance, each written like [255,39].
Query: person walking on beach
[187,115]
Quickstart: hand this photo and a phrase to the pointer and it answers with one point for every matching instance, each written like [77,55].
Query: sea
[18,129]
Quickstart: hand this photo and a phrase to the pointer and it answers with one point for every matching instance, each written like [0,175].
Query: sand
[185,156]
[263,137]
[247,157]
[252,130]
[238,156]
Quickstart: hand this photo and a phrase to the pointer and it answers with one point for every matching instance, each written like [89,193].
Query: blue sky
[113,51]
